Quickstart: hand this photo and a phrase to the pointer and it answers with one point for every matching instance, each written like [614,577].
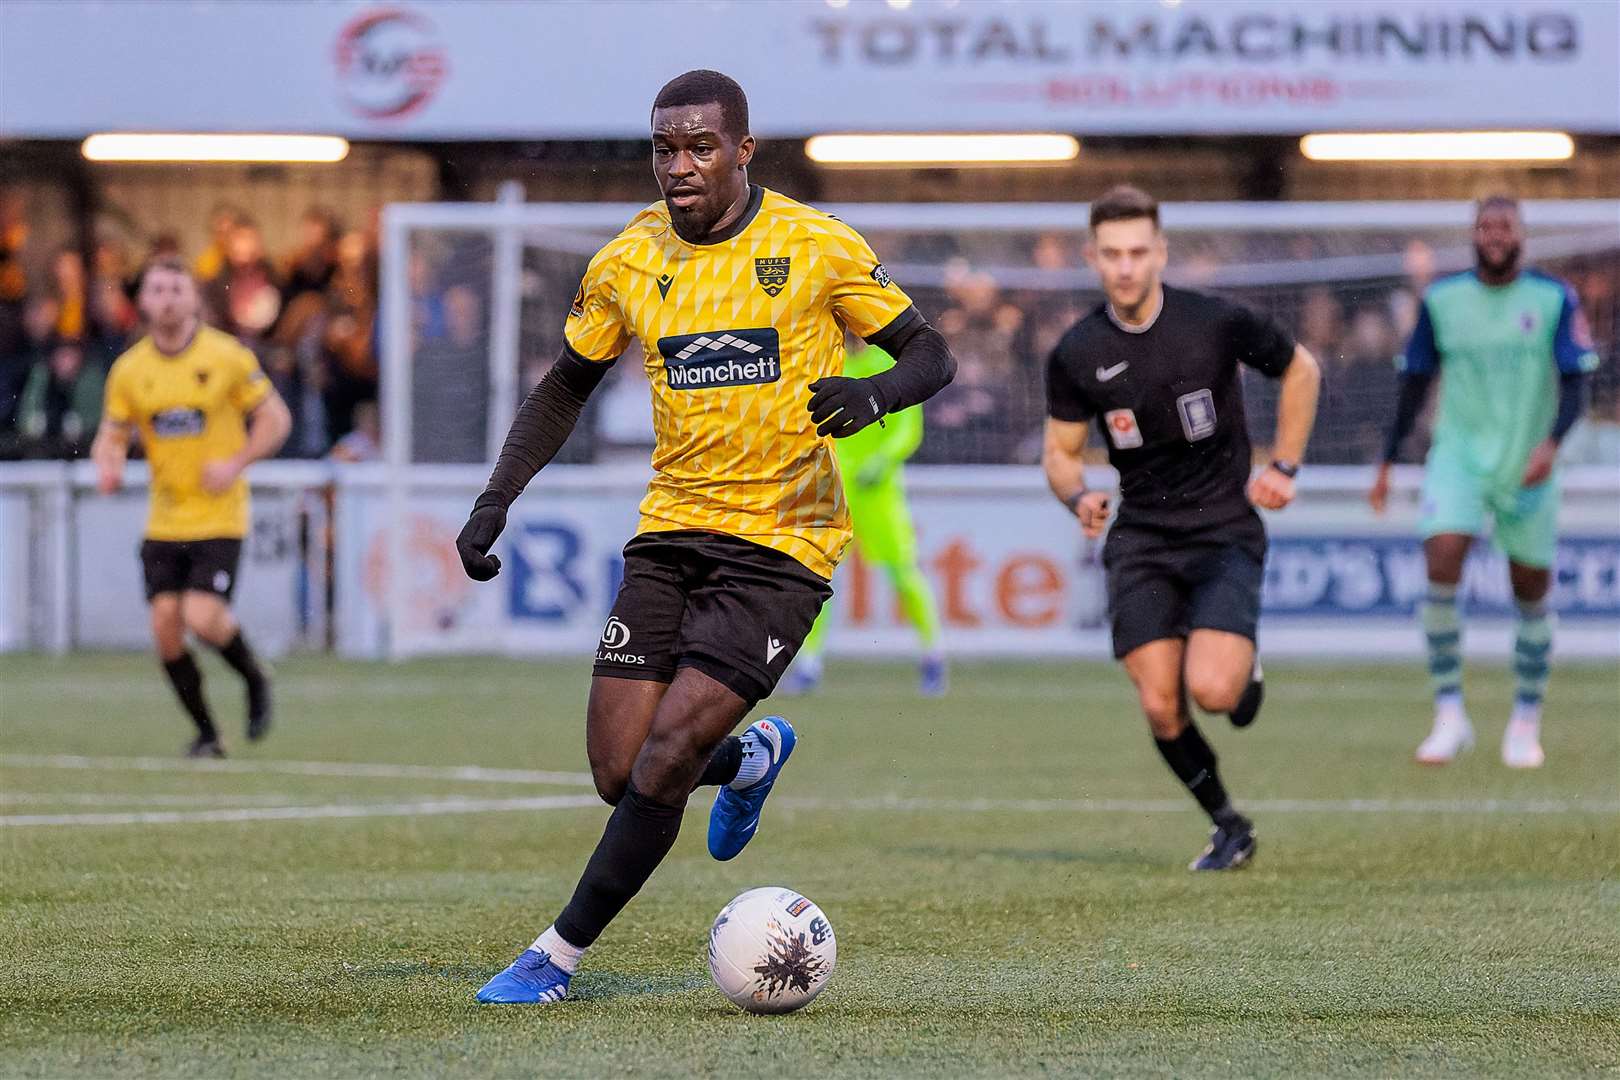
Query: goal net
[487,288]
[475,297]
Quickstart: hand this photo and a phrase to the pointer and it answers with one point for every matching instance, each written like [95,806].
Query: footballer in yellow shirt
[740,298]
[204,411]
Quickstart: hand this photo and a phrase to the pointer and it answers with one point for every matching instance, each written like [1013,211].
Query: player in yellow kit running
[740,298]
[205,412]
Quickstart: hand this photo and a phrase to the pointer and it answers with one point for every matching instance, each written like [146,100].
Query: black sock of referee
[236,653]
[1193,762]
[723,763]
[187,680]
[638,836]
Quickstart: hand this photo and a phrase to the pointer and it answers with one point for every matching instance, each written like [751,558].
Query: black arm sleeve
[542,425]
[1571,403]
[1414,390]
[923,364]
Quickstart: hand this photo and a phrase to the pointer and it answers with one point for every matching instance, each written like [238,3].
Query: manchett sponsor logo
[721,358]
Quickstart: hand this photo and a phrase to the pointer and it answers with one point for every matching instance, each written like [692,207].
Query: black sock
[638,836]
[1193,762]
[237,654]
[723,764]
[187,681]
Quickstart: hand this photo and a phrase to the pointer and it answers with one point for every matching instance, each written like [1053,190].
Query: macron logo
[772,647]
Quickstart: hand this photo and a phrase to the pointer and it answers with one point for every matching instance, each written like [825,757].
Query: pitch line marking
[280,798]
[471,773]
[430,808]
[1180,806]
[438,807]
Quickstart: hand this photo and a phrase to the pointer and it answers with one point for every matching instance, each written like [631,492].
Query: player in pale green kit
[873,461]
[1513,351]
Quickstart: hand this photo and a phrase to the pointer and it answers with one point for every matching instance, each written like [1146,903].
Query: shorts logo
[721,358]
[773,646]
[1197,411]
[222,581]
[881,276]
[177,423]
[772,274]
[615,635]
[798,907]
[1122,429]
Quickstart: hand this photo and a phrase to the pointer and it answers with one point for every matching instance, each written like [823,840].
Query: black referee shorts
[1165,585]
[191,566]
[735,610]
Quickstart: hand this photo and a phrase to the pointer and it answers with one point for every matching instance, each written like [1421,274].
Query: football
[771,950]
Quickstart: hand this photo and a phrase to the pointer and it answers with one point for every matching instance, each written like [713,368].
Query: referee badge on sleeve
[1122,429]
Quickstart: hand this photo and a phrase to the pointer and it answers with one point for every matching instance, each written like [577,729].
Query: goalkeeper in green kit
[872,461]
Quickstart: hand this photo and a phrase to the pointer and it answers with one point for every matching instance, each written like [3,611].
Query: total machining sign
[477,69]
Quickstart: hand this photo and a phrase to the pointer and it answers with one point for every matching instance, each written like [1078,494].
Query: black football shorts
[191,566]
[735,610]
[1165,585]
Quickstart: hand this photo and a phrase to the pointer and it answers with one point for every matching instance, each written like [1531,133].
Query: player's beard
[1502,267]
[698,220]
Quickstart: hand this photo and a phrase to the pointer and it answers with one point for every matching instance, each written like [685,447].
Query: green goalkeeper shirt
[873,455]
[1499,351]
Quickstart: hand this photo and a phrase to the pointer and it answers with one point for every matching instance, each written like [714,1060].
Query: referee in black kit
[1157,368]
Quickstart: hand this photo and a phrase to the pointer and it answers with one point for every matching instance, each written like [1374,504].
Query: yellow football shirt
[190,408]
[733,333]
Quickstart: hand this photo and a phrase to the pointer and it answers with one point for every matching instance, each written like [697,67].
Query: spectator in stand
[450,377]
[364,443]
[62,311]
[244,299]
[13,307]
[61,404]
[349,362]
[112,312]
[222,222]
[311,266]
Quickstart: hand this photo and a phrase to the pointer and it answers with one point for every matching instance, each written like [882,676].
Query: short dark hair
[1495,200]
[701,87]
[1123,202]
[172,263]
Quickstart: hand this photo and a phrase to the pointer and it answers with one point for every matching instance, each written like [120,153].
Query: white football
[771,950]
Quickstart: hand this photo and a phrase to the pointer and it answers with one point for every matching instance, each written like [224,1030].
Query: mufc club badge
[1122,429]
[772,274]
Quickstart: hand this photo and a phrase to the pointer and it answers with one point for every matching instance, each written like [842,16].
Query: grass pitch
[1005,870]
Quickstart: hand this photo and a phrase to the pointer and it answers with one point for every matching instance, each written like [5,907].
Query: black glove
[841,406]
[477,537]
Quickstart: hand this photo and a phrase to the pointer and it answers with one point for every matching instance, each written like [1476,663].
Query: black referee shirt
[1169,401]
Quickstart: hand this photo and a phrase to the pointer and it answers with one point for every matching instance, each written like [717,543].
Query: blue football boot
[532,979]
[735,816]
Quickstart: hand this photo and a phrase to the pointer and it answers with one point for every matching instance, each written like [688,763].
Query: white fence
[1012,574]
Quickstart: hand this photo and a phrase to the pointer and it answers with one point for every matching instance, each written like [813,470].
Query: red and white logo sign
[389,63]
[1122,429]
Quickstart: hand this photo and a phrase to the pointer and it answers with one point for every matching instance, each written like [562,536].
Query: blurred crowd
[309,314]
[1002,300]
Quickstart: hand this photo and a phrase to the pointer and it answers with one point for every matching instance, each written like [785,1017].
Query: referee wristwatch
[1289,469]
